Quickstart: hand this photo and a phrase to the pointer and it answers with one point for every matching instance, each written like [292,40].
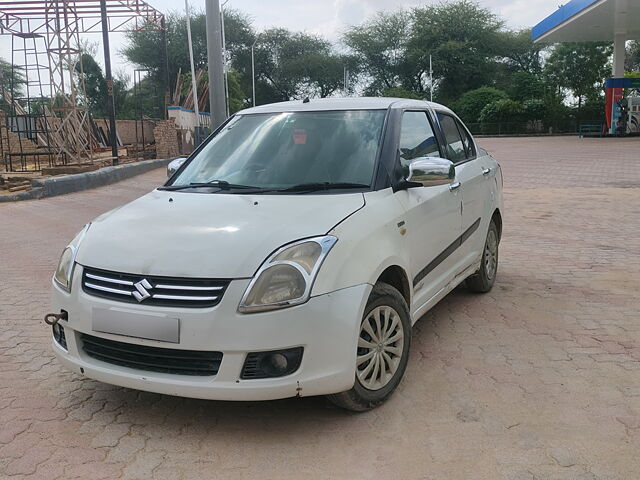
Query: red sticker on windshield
[300,136]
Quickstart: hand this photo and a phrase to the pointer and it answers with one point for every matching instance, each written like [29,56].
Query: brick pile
[166,135]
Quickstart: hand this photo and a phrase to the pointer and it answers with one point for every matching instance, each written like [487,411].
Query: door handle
[454,186]
[486,171]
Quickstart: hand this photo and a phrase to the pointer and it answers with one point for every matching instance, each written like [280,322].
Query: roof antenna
[306,100]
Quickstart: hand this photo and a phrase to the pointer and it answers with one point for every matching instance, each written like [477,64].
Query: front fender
[369,241]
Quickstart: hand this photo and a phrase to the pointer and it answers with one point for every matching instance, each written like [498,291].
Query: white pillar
[619,55]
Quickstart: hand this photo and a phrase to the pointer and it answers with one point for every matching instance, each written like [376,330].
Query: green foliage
[525,86]
[236,94]
[296,65]
[502,111]
[394,49]
[95,86]
[519,53]
[288,64]
[580,68]
[11,80]
[382,47]
[632,63]
[464,40]
[534,109]
[483,70]
[470,106]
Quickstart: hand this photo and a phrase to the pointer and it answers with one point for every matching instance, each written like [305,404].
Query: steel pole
[111,108]
[216,66]
[253,73]
[194,83]
[165,66]
[224,60]
[431,77]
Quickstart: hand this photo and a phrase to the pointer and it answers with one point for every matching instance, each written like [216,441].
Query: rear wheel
[383,350]
[482,281]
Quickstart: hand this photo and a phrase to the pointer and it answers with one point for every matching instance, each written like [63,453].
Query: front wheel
[383,350]
[482,281]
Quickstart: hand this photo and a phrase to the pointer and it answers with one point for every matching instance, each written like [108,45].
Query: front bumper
[326,326]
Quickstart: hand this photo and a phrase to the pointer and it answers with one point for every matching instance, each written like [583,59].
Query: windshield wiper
[318,186]
[221,184]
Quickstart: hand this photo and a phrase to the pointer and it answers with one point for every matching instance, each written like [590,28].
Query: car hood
[207,235]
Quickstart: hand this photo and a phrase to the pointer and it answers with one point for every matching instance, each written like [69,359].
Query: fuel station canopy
[593,20]
[590,20]
[598,20]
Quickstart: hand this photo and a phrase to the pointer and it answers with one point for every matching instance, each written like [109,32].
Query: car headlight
[64,272]
[285,279]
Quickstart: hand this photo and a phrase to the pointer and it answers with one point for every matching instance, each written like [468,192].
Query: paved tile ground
[540,379]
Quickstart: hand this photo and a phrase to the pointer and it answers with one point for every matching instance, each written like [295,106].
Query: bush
[533,110]
[470,106]
[525,86]
[503,117]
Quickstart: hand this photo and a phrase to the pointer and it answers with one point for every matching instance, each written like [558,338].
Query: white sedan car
[290,255]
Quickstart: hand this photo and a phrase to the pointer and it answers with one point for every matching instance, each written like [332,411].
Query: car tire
[386,318]
[482,281]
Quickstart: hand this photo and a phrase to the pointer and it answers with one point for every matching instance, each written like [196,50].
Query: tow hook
[53,318]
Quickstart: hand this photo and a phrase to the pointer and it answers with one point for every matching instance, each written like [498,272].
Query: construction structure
[49,118]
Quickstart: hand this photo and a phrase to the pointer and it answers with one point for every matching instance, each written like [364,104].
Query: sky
[328,18]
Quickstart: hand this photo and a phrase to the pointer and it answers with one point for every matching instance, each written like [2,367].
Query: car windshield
[280,151]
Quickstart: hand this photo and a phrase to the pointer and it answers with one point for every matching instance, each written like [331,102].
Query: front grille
[153,290]
[153,359]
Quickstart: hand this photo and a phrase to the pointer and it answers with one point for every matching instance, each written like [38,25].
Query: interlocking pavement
[540,379]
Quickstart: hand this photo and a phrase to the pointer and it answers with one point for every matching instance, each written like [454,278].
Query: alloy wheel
[380,347]
[491,255]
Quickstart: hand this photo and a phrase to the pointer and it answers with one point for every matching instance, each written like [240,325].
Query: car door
[472,175]
[433,218]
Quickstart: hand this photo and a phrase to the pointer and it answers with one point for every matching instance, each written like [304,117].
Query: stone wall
[166,136]
[127,130]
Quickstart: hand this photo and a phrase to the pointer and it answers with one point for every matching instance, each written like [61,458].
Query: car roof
[336,104]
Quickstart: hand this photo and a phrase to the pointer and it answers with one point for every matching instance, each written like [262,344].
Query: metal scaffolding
[56,26]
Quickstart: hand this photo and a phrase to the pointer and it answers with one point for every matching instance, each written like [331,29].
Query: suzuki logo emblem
[142,290]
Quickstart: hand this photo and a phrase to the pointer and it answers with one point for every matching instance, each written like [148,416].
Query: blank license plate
[139,325]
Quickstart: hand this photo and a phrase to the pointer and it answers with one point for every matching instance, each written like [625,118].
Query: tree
[288,64]
[525,85]
[502,111]
[520,53]
[95,85]
[382,48]
[632,63]
[470,106]
[534,109]
[399,92]
[294,65]
[580,68]
[145,49]
[464,40]
[12,79]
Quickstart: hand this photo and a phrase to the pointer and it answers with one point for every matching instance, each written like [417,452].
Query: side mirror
[174,165]
[431,171]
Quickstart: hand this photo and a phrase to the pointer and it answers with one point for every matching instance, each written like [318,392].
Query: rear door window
[417,138]
[456,148]
[467,141]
